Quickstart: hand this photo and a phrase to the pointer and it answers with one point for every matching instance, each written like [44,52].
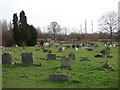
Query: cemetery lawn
[84,74]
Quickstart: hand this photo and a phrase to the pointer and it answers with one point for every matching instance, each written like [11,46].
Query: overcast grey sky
[68,13]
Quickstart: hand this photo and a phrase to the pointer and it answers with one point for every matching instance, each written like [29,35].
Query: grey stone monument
[6,58]
[51,57]
[27,58]
[72,56]
[65,62]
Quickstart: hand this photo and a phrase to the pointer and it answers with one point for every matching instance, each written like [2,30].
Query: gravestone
[51,57]
[77,46]
[98,55]
[73,46]
[89,49]
[76,49]
[65,62]
[60,50]
[63,48]
[45,50]
[114,45]
[6,58]
[27,58]
[72,56]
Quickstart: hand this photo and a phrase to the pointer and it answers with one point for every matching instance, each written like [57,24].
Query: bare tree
[64,30]
[108,22]
[54,28]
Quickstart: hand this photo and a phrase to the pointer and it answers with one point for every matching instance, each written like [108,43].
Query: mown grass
[84,74]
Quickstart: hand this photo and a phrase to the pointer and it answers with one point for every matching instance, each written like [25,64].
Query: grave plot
[60,74]
[63,72]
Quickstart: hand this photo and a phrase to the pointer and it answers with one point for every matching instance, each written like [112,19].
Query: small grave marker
[72,56]
[51,57]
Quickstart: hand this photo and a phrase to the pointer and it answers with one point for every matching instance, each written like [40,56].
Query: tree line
[21,33]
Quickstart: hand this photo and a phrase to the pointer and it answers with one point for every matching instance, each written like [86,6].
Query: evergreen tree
[24,34]
[33,36]
[16,30]
[24,28]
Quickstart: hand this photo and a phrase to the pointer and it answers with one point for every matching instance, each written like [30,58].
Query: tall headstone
[6,58]
[65,62]
[51,56]
[72,56]
[27,58]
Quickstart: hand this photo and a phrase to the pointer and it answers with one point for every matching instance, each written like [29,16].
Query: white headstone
[63,48]
[114,45]
[16,45]
[110,45]
[76,49]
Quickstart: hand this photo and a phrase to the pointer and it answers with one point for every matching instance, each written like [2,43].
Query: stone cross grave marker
[27,58]
[6,58]
[51,56]
[72,56]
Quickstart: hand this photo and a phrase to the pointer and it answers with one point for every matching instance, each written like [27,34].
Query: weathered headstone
[60,50]
[89,49]
[77,46]
[45,50]
[73,46]
[27,58]
[72,56]
[114,45]
[65,62]
[6,58]
[51,57]
[68,46]
[98,55]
